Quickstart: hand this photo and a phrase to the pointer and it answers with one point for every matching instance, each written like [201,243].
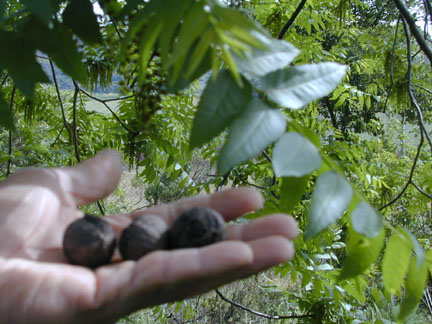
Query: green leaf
[173,13]
[59,45]
[221,102]
[417,249]
[291,192]
[200,51]
[195,22]
[42,9]
[297,86]
[414,286]
[362,252]
[330,198]
[396,261]
[146,47]
[277,55]
[365,220]
[6,117]
[20,61]
[256,128]
[184,80]
[79,16]
[295,156]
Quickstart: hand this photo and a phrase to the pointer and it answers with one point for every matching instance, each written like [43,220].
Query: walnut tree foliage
[328,118]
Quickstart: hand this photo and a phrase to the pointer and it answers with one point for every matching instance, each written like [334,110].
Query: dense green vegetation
[323,105]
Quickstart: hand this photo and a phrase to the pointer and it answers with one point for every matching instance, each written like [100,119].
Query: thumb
[94,178]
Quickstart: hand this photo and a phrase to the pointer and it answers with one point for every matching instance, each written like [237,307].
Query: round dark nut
[89,241]
[196,227]
[144,235]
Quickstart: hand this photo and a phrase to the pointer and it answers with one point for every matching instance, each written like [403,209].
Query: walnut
[144,235]
[89,241]
[196,227]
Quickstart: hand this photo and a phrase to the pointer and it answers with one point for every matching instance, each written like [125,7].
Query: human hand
[38,286]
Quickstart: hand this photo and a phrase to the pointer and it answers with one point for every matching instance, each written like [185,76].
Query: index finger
[231,203]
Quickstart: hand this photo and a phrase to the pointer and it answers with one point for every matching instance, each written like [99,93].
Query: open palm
[38,286]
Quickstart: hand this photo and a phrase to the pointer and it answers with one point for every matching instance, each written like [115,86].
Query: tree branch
[410,175]
[409,87]
[4,80]
[250,310]
[415,31]
[423,88]
[291,20]
[420,190]
[224,180]
[9,162]
[104,102]
[75,132]
[74,121]
[65,122]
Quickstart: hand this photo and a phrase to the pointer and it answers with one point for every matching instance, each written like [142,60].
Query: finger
[92,179]
[267,253]
[230,203]
[133,285]
[277,224]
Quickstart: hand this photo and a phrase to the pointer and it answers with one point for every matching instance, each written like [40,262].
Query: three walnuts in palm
[91,241]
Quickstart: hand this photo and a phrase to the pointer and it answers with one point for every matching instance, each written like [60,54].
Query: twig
[250,310]
[416,32]
[224,180]
[74,121]
[58,136]
[9,162]
[271,162]
[273,193]
[116,28]
[291,20]
[4,80]
[410,175]
[75,132]
[423,88]
[409,87]
[65,122]
[104,102]
[421,190]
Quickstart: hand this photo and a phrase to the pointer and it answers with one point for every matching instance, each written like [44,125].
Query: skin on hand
[38,286]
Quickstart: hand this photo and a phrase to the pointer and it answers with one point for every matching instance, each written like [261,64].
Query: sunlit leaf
[365,220]
[396,260]
[295,156]
[221,102]
[417,249]
[291,192]
[330,198]
[362,252]
[296,86]
[256,128]
[414,286]
[79,16]
[258,62]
